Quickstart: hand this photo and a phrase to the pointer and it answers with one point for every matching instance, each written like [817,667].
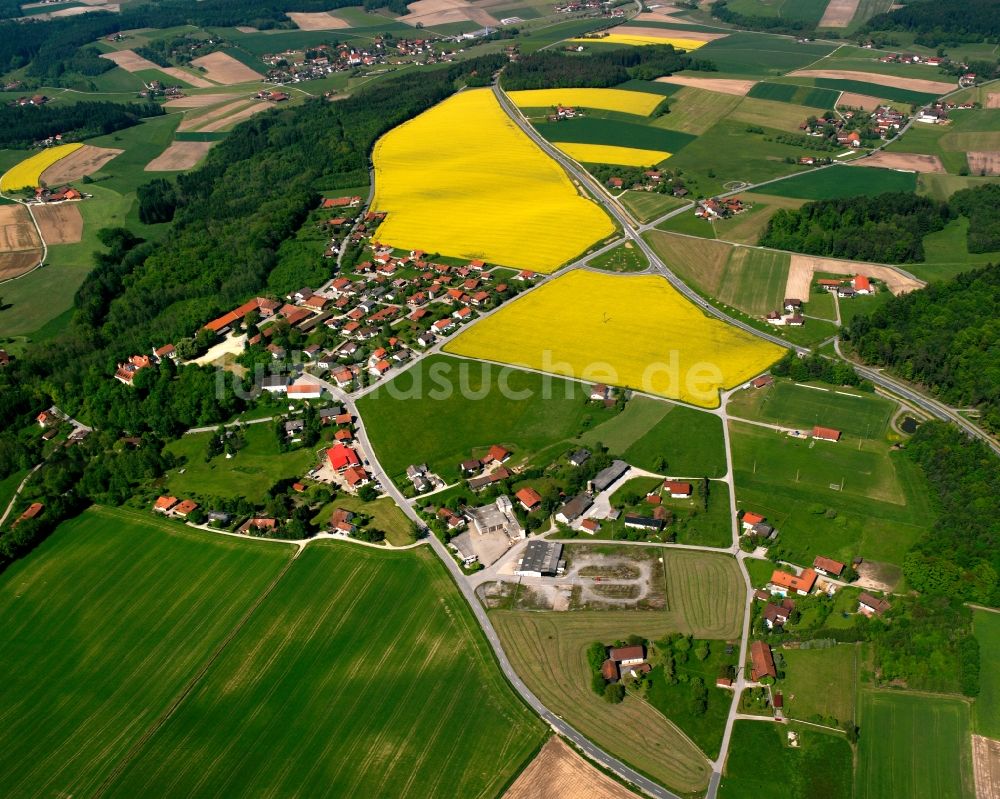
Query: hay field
[20,247]
[223,68]
[839,13]
[457,180]
[558,772]
[179,155]
[639,40]
[28,172]
[734,86]
[628,102]
[85,161]
[131,61]
[60,223]
[634,331]
[914,84]
[427,13]
[694,110]
[984,162]
[912,161]
[611,154]
[317,21]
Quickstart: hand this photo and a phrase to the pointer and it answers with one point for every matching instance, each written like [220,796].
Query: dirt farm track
[557,772]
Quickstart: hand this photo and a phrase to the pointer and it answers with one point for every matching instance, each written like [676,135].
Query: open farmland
[180,155]
[20,247]
[986,626]
[557,772]
[821,684]
[634,331]
[622,100]
[317,21]
[638,39]
[799,95]
[934,88]
[836,182]
[612,154]
[758,55]
[705,598]
[733,86]
[694,110]
[84,161]
[60,223]
[341,689]
[913,745]
[454,181]
[137,604]
[28,173]
[616,133]
[223,68]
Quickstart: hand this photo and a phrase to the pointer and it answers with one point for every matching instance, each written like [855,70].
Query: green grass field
[626,258]
[854,413]
[761,763]
[689,440]
[695,110]
[809,11]
[986,626]
[831,499]
[913,745]
[759,570]
[704,598]
[884,90]
[103,626]
[760,54]
[141,143]
[837,182]
[339,688]
[386,516]
[799,95]
[754,280]
[648,205]
[594,130]
[253,470]
[821,684]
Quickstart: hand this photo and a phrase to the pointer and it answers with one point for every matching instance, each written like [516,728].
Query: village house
[341,521]
[574,509]
[529,499]
[872,606]
[828,567]
[749,519]
[784,583]
[126,372]
[184,508]
[762,382]
[761,662]
[777,615]
[677,489]
[579,457]
[164,504]
[342,457]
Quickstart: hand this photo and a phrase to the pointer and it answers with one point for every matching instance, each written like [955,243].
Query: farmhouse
[541,559]
[497,475]
[355,477]
[184,508]
[762,382]
[529,498]
[628,655]
[303,390]
[777,614]
[496,454]
[825,433]
[783,582]
[607,477]
[827,566]
[275,384]
[762,664]
[872,606]
[861,285]
[678,490]
[574,509]
[750,519]
[164,504]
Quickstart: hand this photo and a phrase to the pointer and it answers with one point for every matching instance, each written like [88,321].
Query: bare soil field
[912,161]
[557,772]
[664,13]
[441,12]
[198,100]
[85,161]
[985,764]
[984,162]
[234,118]
[194,120]
[179,155]
[800,274]
[916,84]
[721,85]
[864,101]
[20,247]
[129,60]
[667,33]
[187,77]
[60,224]
[317,21]
[839,13]
[223,68]
[993,100]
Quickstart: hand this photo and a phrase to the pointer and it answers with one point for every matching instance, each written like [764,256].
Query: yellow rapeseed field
[611,154]
[462,180]
[28,172]
[638,40]
[623,100]
[628,331]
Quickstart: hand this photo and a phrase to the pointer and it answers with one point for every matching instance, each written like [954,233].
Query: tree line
[548,69]
[938,22]
[22,126]
[777,24]
[945,336]
[888,228]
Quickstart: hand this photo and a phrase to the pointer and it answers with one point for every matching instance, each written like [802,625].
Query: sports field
[103,627]
[454,180]
[27,173]
[821,684]
[623,100]
[913,745]
[629,331]
[704,597]
[986,626]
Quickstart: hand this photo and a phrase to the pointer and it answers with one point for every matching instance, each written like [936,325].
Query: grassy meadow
[986,626]
[836,182]
[821,684]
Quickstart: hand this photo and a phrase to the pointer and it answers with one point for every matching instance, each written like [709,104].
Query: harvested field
[195,121]
[60,224]
[557,772]
[223,68]
[198,101]
[993,100]
[853,100]
[317,21]
[235,118]
[800,274]
[911,161]
[85,161]
[441,12]
[839,13]
[985,764]
[914,84]
[667,33]
[187,77]
[179,155]
[722,85]
[20,247]
[663,14]
[77,10]
[984,162]
[129,60]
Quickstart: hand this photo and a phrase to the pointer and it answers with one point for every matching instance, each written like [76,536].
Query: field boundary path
[17,493]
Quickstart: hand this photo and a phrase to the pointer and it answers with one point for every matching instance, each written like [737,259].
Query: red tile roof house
[182,509]
[677,489]
[784,583]
[342,457]
[762,381]
[762,664]
[496,454]
[164,504]
[609,670]
[872,606]
[750,519]
[628,655]
[529,498]
[30,512]
[45,418]
[355,477]
[826,433]
[862,285]
[828,567]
